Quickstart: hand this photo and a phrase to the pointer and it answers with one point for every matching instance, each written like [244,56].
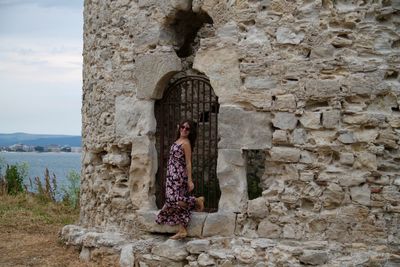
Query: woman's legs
[199,204]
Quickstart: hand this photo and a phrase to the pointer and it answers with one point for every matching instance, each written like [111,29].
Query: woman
[179,182]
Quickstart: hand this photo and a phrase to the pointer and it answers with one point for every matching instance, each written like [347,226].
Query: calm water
[58,163]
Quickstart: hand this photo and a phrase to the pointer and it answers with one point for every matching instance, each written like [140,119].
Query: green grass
[25,211]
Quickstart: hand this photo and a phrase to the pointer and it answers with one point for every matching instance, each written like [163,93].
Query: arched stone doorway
[190,97]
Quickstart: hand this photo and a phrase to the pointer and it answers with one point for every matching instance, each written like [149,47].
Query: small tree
[14,178]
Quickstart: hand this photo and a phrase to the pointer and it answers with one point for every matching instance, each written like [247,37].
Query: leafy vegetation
[44,190]
[71,192]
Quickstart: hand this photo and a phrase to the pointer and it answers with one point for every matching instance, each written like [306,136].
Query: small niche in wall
[255,166]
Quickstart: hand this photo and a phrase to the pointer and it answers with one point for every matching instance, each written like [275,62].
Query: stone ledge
[201,224]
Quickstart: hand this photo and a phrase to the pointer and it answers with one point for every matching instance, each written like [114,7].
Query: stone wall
[313,84]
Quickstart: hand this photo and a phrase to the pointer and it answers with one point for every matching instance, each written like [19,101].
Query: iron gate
[191,97]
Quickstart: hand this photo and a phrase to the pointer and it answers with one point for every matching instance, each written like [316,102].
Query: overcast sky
[41,66]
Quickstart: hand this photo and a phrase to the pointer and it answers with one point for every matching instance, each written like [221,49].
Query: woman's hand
[190,186]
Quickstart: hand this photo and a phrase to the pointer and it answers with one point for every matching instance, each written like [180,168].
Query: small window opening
[255,167]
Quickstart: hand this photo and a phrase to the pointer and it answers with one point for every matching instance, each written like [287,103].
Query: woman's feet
[199,204]
[181,234]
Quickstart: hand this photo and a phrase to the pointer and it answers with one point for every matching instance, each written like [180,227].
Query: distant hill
[39,139]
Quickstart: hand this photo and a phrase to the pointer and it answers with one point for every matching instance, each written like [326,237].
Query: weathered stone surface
[330,118]
[280,137]
[347,138]
[314,257]
[330,64]
[246,254]
[127,259]
[285,103]
[257,208]
[365,160]
[161,67]
[249,132]
[255,83]
[268,229]
[285,154]
[299,136]
[347,158]
[361,194]
[213,225]
[322,88]
[134,117]
[311,120]
[205,260]
[287,36]
[231,173]
[221,65]
[171,249]
[142,172]
[285,120]
[333,196]
[198,246]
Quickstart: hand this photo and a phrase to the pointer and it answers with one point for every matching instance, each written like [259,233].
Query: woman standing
[179,182]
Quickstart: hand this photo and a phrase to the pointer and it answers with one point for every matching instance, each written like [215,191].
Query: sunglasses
[184,127]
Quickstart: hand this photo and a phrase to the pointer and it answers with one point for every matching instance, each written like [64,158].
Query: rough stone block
[127,258]
[280,137]
[285,154]
[162,67]
[366,160]
[240,129]
[142,172]
[361,194]
[260,83]
[299,136]
[214,226]
[268,229]
[311,120]
[330,118]
[231,172]
[285,120]
[257,208]
[171,249]
[285,103]
[347,158]
[320,89]
[198,246]
[134,117]
[221,65]
[287,36]
[314,257]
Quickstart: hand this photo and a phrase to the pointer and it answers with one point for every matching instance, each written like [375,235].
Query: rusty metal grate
[190,97]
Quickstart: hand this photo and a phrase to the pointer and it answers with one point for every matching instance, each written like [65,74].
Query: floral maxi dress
[176,189]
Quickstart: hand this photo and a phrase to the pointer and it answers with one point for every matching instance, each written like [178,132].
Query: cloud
[40,66]
[43,3]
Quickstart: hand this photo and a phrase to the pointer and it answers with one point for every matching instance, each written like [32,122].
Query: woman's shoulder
[184,142]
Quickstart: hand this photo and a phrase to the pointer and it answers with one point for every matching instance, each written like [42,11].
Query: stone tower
[312,86]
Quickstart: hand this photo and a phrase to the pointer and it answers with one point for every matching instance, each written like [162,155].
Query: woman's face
[184,130]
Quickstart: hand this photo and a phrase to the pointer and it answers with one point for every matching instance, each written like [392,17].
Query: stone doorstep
[201,223]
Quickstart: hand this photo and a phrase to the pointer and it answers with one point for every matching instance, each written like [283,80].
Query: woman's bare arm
[188,158]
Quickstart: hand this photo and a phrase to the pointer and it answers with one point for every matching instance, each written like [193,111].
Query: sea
[58,163]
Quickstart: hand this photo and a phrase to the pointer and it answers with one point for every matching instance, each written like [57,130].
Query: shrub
[14,178]
[71,192]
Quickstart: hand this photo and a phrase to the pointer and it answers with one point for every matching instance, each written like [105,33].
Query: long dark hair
[192,132]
